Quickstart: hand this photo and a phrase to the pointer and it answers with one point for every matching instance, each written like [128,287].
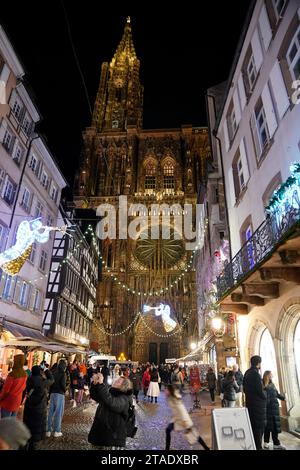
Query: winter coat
[229,388]
[109,426]
[59,376]
[239,379]
[35,409]
[256,398]
[211,380]
[154,376]
[11,393]
[180,415]
[146,379]
[136,381]
[74,377]
[273,413]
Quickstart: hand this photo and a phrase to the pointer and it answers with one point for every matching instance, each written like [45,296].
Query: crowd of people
[43,390]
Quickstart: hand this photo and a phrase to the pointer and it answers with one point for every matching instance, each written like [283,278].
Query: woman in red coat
[146,381]
[12,391]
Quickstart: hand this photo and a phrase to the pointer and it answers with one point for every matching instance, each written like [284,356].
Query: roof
[235,61]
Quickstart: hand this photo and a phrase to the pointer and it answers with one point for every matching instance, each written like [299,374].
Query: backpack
[130,423]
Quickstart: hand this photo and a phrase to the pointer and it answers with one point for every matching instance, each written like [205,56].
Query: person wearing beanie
[35,410]
[57,399]
[12,391]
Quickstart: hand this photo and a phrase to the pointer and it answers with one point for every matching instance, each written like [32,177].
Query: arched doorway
[268,355]
[297,351]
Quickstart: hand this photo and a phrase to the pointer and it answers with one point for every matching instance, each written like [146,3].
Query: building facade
[71,292]
[30,188]
[158,166]
[259,134]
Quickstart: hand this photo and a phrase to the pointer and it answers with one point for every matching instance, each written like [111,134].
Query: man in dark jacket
[211,382]
[256,400]
[57,399]
[136,383]
[35,410]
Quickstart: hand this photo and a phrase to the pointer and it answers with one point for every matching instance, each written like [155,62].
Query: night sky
[183,50]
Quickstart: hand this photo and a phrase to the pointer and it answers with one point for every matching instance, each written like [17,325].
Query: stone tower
[149,166]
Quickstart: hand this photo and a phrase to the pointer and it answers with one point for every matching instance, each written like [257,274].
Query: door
[153,353]
[163,352]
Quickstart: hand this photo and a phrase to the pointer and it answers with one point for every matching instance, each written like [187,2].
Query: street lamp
[218,326]
[193,346]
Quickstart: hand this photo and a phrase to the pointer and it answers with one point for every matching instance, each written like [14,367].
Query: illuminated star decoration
[164,311]
[12,259]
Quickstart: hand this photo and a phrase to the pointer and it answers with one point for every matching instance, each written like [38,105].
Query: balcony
[280,227]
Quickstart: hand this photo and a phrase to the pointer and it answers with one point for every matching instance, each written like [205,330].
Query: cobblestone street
[152,420]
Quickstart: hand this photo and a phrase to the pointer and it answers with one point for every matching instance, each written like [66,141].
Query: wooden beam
[289,256]
[266,291]
[286,274]
[247,299]
[241,309]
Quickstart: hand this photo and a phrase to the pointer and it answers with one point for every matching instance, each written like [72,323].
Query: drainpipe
[21,179]
[214,133]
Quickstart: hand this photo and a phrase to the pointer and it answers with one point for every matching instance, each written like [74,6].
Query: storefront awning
[20,331]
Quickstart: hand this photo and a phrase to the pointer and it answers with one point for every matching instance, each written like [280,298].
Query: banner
[195,379]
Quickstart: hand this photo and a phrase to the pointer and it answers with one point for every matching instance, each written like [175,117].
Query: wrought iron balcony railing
[273,231]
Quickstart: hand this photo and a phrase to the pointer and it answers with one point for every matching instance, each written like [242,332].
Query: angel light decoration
[12,259]
[163,310]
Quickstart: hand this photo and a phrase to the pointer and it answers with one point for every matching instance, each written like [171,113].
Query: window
[33,163]
[16,108]
[267,352]
[3,232]
[115,124]
[44,179]
[278,7]
[240,174]
[169,181]
[38,210]
[293,56]
[63,315]
[24,295]
[2,176]
[49,221]
[7,288]
[43,260]
[233,122]
[251,72]
[262,127]
[8,141]
[9,191]
[26,199]
[32,253]
[27,125]
[53,192]
[37,301]
[150,176]
[58,311]
[18,153]
[297,350]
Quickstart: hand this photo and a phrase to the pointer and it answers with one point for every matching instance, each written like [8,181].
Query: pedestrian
[220,378]
[12,391]
[153,390]
[74,376]
[211,382]
[109,429]
[136,383]
[57,400]
[105,372]
[80,387]
[256,400]
[181,420]
[116,372]
[239,380]
[35,409]
[273,425]
[26,368]
[146,381]
[176,377]
[229,389]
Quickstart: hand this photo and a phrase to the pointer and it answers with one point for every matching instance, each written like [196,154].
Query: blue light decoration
[287,196]
[164,311]
[12,259]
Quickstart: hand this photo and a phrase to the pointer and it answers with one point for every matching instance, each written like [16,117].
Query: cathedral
[146,299]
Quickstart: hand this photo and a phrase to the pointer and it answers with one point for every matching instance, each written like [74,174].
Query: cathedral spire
[119,101]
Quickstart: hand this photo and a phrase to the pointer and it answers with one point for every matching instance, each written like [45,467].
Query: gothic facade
[156,166]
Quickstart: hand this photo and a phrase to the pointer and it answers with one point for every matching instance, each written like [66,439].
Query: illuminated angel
[12,259]
[164,311]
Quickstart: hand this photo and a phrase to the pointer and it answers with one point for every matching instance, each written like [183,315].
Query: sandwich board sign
[231,429]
